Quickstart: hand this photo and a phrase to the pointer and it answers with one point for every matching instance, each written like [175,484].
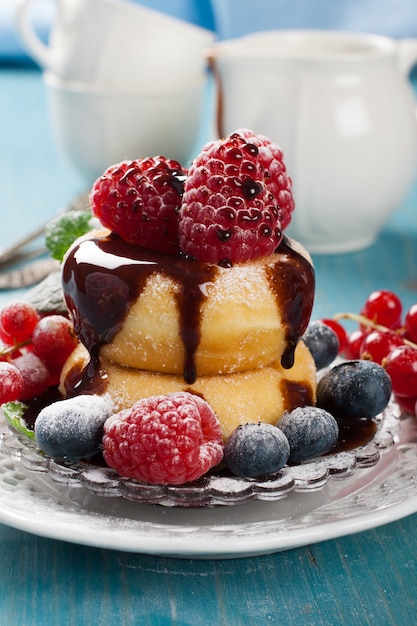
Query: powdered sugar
[72,429]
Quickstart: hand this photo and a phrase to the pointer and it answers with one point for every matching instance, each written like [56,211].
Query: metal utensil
[36,268]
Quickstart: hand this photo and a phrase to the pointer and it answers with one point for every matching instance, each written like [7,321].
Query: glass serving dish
[213,489]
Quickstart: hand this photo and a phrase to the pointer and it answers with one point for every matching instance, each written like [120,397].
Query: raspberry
[228,214]
[280,183]
[169,439]
[139,201]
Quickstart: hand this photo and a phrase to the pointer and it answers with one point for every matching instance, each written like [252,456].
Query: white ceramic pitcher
[343,110]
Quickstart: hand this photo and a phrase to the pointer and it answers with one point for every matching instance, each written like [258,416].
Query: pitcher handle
[407,55]
[34,45]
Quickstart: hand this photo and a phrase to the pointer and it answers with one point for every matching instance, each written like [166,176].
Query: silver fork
[35,268]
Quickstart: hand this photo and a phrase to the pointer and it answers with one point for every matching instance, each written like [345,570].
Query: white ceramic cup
[115,42]
[343,110]
[96,128]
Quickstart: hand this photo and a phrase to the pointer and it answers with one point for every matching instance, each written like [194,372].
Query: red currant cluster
[388,337]
[33,350]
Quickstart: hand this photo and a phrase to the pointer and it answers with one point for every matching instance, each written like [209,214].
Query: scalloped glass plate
[210,490]
[373,495]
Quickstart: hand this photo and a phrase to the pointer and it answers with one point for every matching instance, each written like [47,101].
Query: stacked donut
[161,304]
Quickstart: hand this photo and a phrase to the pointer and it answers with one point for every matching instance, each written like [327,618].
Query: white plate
[33,502]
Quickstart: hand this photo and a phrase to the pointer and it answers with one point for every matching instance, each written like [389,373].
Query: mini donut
[167,314]
[261,394]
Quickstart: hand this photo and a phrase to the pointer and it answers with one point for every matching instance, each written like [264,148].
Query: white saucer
[34,502]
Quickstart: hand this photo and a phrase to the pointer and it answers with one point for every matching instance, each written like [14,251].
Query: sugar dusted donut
[167,314]
[261,394]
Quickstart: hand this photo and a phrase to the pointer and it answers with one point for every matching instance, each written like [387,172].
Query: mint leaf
[14,414]
[64,229]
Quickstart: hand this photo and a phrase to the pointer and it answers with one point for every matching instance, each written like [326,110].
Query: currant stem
[361,319]
[10,349]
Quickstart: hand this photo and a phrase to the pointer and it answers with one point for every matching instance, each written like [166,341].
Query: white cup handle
[35,46]
[407,55]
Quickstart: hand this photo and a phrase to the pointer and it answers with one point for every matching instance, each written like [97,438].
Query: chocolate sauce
[296,393]
[292,280]
[90,380]
[354,433]
[104,276]
[35,405]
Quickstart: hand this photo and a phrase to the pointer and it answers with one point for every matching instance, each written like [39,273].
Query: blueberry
[72,429]
[354,389]
[310,432]
[322,342]
[256,450]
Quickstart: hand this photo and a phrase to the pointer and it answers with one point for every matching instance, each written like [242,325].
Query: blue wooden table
[361,579]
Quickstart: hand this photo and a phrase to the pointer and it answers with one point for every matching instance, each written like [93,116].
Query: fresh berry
[35,375]
[322,342]
[410,323]
[278,181]
[354,389]
[139,201]
[354,342]
[72,429]
[401,365]
[53,340]
[5,337]
[406,403]
[169,439]
[378,344]
[8,352]
[228,214]
[339,330]
[310,431]
[255,450]
[383,307]
[17,321]
[4,352]
[11,382]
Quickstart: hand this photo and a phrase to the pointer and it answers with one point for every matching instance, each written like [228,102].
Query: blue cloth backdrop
[230,18]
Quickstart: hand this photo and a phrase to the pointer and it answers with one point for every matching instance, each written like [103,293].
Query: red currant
[11,383]
[383,307]
[406,403]
[378,344]
[17,321]
[7,353]
[410,323]
[5,337]
[35,375]
[354,342]
[53,340]
[339,330]
[401,365]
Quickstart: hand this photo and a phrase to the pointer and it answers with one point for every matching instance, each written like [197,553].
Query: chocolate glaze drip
[296,393]
[354,433]
[293,281]
[104,276]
